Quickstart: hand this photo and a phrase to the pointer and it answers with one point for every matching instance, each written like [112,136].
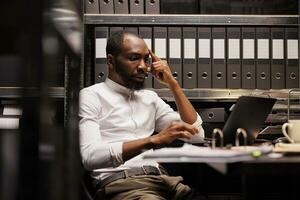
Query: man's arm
[174,131]
[162,72]
[182,130]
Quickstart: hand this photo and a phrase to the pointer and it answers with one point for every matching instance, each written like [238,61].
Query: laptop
[249,113]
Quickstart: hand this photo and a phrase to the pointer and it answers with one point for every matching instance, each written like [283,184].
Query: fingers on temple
[153,56]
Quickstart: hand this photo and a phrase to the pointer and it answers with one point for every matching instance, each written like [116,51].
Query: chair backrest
[87,186]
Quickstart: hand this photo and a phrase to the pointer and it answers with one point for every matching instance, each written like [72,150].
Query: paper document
[191,151]
[287,148]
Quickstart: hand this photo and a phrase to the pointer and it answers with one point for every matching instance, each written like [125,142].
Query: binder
[160,48]
[175,56]
[189,57]
[263,70]
[218,63]
[212,114]
[11,68]
[152,6]
[277,61]
[91,6]
[248,62]
[181,6]
[234,57]
[292,56]
[136,6]
[204,58]
[146,34]
[106,6]
[121,6]
[131,29]
[101,69]
[114,29]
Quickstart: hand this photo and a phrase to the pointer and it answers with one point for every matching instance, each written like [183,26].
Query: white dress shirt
[111,114]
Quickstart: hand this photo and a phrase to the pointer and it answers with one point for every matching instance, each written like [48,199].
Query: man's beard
[128,79]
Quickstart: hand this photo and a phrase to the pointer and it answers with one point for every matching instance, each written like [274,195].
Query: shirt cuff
[198,124]
[198,121]
[116,150]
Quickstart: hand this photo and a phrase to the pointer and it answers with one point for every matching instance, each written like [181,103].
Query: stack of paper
[191,153]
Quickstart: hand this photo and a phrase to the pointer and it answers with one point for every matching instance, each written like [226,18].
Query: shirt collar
[117,87]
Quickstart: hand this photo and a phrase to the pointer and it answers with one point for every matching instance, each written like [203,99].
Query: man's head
[127,57]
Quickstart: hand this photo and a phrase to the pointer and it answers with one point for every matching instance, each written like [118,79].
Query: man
[118,118]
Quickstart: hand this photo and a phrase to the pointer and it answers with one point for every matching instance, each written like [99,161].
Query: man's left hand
[161,70]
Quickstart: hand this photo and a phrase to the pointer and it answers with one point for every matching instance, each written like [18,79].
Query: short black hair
[114,42]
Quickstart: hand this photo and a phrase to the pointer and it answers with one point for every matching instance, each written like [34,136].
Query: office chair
[87,186]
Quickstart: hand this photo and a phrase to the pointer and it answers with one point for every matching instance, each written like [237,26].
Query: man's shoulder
[93,88]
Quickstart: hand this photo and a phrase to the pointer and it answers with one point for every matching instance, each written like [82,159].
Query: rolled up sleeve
[95,152]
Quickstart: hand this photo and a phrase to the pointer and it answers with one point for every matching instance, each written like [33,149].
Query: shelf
[211,20]
[16,92]
[223,94]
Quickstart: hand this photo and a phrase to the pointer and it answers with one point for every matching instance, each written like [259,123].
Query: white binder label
[148,43]
[277,50]
[263,49]
[175,48]
[248,48]
[219,48]
[292,49]
[160,47]
[234,48]
[204,48]
[190,48]
[100,47]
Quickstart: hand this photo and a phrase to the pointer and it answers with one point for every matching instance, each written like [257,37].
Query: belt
[136,171]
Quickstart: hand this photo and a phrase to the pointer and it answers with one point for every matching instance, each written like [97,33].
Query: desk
[261,178]
[275,178]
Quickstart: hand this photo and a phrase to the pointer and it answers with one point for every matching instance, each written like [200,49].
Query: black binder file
[136,6]
[175,56]
[106,6]
[204,58]
[101,69]
[91,6]
[121,6]
[263,71]
[131,29]
[277,62]
[160,48]
[218,64]
[292,68]
[248,62]
[146,34]
[152,6]
[234,58]
[189,57]
[212,114]
[114,29]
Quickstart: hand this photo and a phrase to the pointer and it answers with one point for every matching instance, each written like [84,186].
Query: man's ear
[110,61]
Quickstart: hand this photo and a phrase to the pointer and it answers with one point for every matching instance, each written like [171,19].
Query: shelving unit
[187,20]
[17,92]
[211,94]
[40,157]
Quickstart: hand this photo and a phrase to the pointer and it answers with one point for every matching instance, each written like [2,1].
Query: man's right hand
[175,131]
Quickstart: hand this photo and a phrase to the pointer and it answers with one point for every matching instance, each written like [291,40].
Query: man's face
[132,62]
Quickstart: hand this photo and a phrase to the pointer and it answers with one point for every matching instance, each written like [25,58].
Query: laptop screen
[250,114]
